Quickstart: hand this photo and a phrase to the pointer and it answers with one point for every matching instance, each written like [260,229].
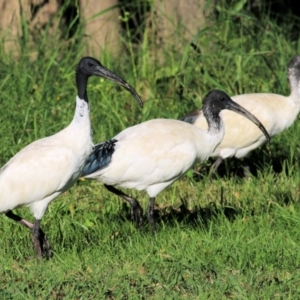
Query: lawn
[222,238]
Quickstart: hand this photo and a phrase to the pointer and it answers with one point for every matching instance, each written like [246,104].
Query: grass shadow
[172,216]
[199,216]
[256,162]
[203,216]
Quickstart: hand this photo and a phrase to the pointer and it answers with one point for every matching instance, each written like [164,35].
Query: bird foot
[152,224]
[41,244]
[137,215]
[45,245]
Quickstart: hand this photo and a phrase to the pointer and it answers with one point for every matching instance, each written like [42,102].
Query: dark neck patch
[81,82]
[212,116]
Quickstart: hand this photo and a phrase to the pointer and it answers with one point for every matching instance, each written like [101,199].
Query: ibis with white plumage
[152,155]
[44,169]
[276,112]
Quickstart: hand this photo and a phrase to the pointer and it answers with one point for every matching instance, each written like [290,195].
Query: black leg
[136,209]
[16,218]
[40,241]
[151,213]
[37,238]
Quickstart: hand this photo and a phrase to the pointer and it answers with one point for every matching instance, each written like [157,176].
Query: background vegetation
[225,238]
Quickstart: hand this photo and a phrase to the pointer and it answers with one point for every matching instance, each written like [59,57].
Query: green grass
[228,238]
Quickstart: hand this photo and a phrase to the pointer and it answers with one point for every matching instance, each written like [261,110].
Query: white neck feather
[79,132]
[82,111]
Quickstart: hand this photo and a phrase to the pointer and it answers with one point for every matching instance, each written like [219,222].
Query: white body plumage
[47,167]
[152,155]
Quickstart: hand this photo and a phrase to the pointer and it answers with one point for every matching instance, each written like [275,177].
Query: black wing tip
[99,158]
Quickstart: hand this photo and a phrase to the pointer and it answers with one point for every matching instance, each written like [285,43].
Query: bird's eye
[222,98]
[90,64]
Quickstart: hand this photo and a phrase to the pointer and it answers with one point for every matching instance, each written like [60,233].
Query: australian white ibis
[44,169]
[152,155]
[275,112]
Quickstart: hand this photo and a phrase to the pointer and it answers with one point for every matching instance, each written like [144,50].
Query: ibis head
[89,66]
[215,101]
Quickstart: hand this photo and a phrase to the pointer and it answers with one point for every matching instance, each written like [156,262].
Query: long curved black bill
[106,73]
[242,111]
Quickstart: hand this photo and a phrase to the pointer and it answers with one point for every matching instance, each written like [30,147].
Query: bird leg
[246,168]
[215,166]
[39,239]
[151,213]
[136,209]
[16,218]
[36,238]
